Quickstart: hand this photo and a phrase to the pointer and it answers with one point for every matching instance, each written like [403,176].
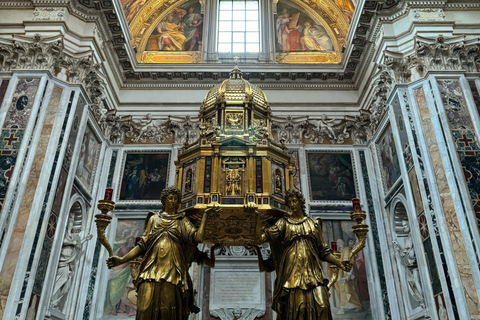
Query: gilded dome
[235,91]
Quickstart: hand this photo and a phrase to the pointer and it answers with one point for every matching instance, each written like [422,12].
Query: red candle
[334,246]
[108,194]
[356,205]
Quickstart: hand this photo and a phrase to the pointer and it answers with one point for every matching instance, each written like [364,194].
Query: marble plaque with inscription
[237,285]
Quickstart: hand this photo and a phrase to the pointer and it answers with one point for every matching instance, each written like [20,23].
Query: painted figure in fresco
[172,36]
[117,288]
[132,7]
[71,247]
[315,38]
[345,285]
[297,251]
[288,30]
[347,7]
[408,259]
[132,183]
[193,24]
[164,287]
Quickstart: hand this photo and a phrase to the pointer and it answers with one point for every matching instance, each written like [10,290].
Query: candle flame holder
[102,221]
[360,231]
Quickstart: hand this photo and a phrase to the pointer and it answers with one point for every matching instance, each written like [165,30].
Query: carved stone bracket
[382,87]
[186,129]
[114,126]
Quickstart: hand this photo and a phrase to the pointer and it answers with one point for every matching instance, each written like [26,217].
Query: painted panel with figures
[144,176]
[350,298]
[388,159]
[331,176]
[121,296]
[89,152]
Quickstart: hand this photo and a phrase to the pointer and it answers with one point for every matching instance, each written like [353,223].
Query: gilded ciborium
[234,163]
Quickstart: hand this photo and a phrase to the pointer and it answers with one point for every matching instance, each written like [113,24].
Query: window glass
[238,26]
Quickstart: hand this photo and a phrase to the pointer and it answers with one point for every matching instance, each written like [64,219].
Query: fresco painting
[331,176]
[144,176]
[388,159]
[131,7]
[350,298]
[89,153]
[297,31]
[180,30]
[121,296]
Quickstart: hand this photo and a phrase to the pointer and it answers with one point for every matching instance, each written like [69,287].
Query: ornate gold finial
[236,73]
[236,60]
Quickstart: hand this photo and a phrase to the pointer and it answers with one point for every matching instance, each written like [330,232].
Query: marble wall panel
[12,132]
[463,132]
[476,95]
[3,88]
[455,233]
[72,138]
[434,234]
[402,132]
[98,247]
[24,211]
[374,235]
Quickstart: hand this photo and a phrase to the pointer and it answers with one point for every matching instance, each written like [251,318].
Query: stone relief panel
[68,264]
[349,298]
[406,261]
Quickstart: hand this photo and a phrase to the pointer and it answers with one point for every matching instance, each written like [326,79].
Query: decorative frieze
[428,14]
[149,129]
[323,129]
[434,54]
[43,13]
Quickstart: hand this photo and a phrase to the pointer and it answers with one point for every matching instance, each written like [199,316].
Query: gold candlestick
[359,229]
[103,220]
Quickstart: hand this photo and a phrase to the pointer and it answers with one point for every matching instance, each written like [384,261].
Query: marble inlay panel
[11,135]
[3,89]
[98,247]
[375,236]
[476,95]
[455,233]
[13,250]
[72,138]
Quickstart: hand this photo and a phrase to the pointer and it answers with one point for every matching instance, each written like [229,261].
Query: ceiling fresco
[305,31]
